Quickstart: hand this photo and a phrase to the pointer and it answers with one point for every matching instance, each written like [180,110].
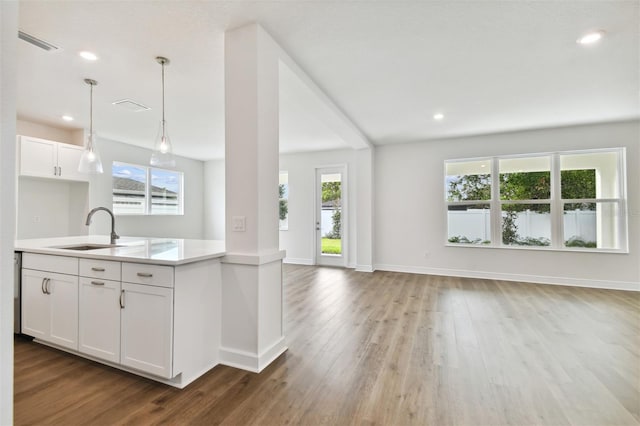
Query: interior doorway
[330,216]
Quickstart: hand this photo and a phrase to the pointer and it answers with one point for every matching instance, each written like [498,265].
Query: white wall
[214,200]
[410,215]
[51,208]
[299,239]
[189,225]
[37,130]
[8,77]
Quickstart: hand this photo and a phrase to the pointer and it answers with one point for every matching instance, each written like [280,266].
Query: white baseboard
[251,361]
[364,268]
[298,261]
[538,279]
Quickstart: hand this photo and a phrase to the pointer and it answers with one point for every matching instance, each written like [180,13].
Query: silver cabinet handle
[42,286]
[55,171]
[47,281]
[59,171]
[94,268]
[97,283]
[121,299]
[145,274]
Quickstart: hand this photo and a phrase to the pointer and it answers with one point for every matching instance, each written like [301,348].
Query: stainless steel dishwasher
[17,291]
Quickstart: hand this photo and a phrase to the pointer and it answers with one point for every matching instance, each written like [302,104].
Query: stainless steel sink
[84,247]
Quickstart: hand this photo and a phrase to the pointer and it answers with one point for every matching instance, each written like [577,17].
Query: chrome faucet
[114,236]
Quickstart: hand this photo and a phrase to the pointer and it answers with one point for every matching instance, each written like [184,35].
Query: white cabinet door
[99,318]
[35,304]
[146,336]
[63,296]
[50,307]
[38,157]
[68,161]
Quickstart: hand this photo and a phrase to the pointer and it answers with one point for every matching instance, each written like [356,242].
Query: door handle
[47,281]
[145,274]
[317,226]
[121,299]
[97,283]
[96,269]
[42,286]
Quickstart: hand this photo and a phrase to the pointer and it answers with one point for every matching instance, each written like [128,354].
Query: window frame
[556,202]
[148,199]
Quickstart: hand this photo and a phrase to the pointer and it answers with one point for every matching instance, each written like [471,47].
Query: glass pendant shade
[90,161]
[162,155]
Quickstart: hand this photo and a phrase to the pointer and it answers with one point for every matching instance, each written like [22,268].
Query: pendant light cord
[91,110]
[163,135]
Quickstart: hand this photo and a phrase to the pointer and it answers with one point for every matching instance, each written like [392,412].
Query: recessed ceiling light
[591,37]
[67,118]
[89,56]
[439,116]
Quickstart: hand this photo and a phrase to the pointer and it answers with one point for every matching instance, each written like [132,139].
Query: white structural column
[252,324]
[364,159]
[8,59]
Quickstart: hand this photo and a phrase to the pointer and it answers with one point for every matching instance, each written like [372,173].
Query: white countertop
[159,251]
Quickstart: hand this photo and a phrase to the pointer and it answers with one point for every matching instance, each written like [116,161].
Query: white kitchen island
[150,306]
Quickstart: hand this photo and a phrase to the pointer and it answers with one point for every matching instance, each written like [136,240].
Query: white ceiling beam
[309,94]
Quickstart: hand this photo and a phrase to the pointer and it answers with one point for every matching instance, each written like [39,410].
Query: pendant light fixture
[163,152]
[90,160]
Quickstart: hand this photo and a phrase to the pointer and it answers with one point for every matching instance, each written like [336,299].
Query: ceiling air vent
[36,41]
[131,105]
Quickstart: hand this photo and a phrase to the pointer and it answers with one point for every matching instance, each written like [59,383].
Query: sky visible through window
[165,179]
[159,178]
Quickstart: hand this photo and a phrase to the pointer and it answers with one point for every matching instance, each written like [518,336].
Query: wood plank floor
[383,348]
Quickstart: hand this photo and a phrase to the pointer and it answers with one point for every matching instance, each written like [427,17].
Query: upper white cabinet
[43,158]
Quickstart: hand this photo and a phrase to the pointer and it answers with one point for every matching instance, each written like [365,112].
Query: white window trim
[555,201]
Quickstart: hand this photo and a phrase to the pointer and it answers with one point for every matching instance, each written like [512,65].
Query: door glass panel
[330,214]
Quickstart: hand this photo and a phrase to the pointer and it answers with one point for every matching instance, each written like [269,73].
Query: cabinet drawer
[104,269]
[142,273]
[46,262]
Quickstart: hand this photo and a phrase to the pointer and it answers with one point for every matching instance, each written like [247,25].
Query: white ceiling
[489,66]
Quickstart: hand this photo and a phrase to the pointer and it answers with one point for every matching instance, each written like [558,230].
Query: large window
[569,200]
[140,190]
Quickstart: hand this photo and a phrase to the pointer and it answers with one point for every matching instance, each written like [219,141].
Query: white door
[68,161]
[35,304]
[99,318]
[38,157]
[63,300]
[330,216]
[146,337]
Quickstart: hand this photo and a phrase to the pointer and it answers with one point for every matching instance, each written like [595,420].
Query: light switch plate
[238,223]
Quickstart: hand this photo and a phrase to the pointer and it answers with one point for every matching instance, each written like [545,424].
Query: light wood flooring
[383,348]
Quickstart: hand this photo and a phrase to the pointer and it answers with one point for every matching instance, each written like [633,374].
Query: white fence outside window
[476,224]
